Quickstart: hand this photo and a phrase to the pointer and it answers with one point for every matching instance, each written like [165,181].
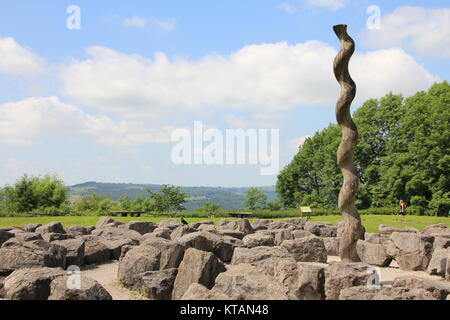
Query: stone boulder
[31,227]
[222,246]
[16,254]
[52,227]
[439,289]
[89,290]
[207,227]
[438,262]
[388,230]
[158,285]
[75,251]
[279,235]
[196,225]
[321,229]
[141,227]
[332,245]
[137,261]
[5,236]
[246,282]
[411,251]
[31,284]
[261,224]
[115,245]
[377,238]
[78,231]
[114,233]
[198,292]
[384,293]
[258,240]
[436,229]
[264,258]
[96,252]
[241,225]
[169,224]
[172,252]
[28,236]
[339,276]
[197,267]
[231,233]
[307,249]
[305,280]
[164,233]
[51,236]
[107,222]
[181,231]
[373,254]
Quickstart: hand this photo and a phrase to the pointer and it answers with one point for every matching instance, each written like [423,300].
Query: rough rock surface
[438,262]
[241,225]
[171,252]
[137,261]
[107,222]
[340,276]
[16,254]
[258,240]
[197,267]
[52,227]
[198,292]
[181,231]
[31,284]
[331,245]
[321,229]
[75,251]
[76,231]
[246,282]
[307,249]
[169,224]
[373,254]
[439,289]
[141,227]
[158,285]
[384,293]
[89,290]
[411,251]
[95,252]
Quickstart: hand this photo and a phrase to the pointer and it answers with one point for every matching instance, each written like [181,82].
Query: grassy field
[371,222]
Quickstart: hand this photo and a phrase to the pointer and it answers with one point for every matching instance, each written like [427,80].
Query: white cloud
[142,23]
[257,77]
[17,60]
[329,4]
[135,22]
[427,31]
[255,121]
[21,121]
[288,8]
[295,144]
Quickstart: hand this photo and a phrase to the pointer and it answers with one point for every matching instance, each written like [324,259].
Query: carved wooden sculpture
[352,228]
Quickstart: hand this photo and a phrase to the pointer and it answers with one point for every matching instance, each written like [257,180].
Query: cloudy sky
[100,103]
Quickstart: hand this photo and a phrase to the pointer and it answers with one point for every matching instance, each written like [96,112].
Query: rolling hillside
[227,198]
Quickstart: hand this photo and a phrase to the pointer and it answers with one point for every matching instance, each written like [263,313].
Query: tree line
[403,153]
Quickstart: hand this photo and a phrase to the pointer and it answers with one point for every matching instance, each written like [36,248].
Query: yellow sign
[305,209]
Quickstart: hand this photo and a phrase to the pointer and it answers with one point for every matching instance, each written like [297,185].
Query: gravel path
[106,275]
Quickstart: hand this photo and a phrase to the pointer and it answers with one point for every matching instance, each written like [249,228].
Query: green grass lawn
[371,222]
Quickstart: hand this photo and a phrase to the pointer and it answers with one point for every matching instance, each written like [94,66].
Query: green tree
[30,193]
[255,199]
[403,153]
[169,199]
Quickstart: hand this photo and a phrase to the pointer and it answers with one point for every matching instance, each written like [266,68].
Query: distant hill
[226,198]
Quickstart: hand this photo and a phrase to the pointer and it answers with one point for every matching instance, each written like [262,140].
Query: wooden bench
[128,213]
[306,210]
[242,215]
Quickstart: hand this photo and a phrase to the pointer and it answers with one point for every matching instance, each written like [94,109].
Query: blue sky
[100,103]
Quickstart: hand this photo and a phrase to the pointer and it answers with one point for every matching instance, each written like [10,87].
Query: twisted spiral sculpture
[352,228]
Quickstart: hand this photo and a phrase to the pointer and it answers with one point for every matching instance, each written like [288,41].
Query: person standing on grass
[402,210]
